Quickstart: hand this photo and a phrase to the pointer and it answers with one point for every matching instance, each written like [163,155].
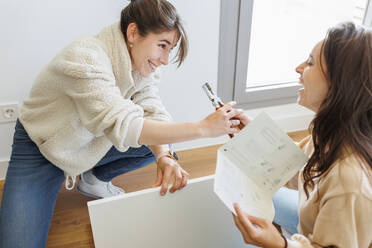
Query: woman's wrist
[166,154]
[201,129]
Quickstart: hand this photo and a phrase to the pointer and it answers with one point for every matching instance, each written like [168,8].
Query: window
[262,41]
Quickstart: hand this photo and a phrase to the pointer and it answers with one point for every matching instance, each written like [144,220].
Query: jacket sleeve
[336,224]
[148,98]
[91,85]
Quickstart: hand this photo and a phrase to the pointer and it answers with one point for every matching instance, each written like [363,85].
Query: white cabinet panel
[191,218]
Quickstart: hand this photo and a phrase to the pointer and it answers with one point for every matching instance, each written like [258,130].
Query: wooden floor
[71,226]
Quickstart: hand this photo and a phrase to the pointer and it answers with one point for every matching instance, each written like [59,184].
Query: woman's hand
[257,231]
[243,118]
[221,121]
[169,168]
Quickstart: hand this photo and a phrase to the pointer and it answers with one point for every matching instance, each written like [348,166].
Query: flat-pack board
[191,218]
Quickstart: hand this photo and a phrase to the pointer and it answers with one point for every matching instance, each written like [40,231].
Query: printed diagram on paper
[253,165]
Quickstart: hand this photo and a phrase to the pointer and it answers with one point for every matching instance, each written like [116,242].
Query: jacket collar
[118,52]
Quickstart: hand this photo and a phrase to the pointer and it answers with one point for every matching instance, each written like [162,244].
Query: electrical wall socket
[8,112]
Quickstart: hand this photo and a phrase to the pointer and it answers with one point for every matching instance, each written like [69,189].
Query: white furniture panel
[191,218]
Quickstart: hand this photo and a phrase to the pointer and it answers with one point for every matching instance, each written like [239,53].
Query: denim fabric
[115,163]
[286,209]
[32,184]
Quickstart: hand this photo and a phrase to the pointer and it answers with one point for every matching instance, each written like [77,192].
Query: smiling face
[312,78]
[150,51]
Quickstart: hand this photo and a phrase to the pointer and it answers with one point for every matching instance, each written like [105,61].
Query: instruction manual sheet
[254,164]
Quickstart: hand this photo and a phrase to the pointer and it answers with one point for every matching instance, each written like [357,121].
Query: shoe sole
[88,194]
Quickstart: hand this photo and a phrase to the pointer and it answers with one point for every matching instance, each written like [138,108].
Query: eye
[163,46]
[309,62]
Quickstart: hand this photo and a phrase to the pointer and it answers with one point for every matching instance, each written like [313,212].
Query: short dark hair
[155,16]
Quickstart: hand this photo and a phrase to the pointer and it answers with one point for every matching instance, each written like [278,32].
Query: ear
[132,32]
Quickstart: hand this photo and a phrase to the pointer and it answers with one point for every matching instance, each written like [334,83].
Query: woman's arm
[342,221]
[216,124]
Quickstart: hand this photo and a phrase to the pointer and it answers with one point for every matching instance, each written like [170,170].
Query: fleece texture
[88,99]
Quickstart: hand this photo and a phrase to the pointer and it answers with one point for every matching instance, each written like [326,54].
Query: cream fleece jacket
[87,99]
[338,212]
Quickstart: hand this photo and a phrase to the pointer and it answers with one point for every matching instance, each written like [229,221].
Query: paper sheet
[253,165]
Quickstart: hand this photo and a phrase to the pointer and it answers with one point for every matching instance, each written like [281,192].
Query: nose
[164,58]
[300,68]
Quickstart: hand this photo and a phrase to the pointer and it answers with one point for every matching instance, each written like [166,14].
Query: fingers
[234,126]
[234,122]
[248,226]
[180,180]
[240,226]
[185,177]
[228,106]
[177,181]
[222,121]
[258,231]
[244,119]
[167,170]
[245,235]
[166,179]
[257,221]
[233,113]
[233,130]
[159,178]
[237,113]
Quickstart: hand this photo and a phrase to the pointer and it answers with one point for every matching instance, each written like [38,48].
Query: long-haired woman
[335,186]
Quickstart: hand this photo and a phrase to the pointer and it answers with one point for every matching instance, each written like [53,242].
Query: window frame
[233,60]
[368,14]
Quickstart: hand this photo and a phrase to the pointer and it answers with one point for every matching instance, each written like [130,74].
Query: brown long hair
[345,116]
[155,16]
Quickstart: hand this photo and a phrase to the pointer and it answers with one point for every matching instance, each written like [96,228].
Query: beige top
[338,212]
[87,99]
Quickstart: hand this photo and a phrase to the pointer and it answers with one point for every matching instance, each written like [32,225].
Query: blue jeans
[286,209]
[32,184]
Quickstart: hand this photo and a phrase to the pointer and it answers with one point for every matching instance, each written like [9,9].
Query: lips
[152,66]
[301,82]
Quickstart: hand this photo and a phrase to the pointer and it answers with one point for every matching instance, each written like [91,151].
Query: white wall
[32,32]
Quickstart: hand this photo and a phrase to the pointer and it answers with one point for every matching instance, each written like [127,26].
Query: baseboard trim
[3,168]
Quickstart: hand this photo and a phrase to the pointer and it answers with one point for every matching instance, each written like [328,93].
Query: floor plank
[71,226]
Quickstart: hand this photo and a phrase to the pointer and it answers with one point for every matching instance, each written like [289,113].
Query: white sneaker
[91,186]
